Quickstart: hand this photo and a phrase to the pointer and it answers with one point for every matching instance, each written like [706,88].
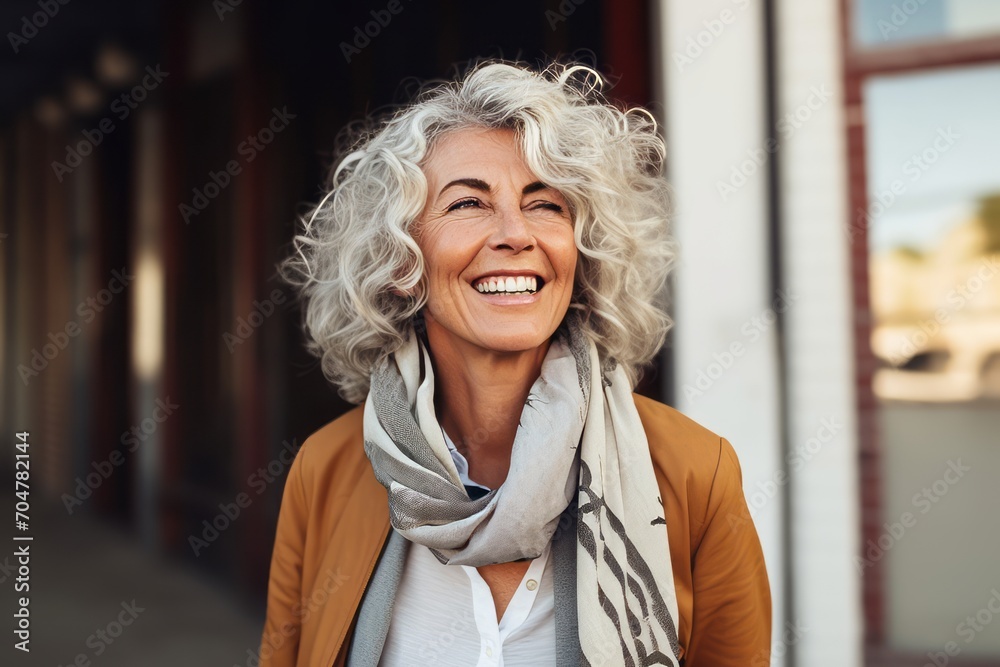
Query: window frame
[859,64]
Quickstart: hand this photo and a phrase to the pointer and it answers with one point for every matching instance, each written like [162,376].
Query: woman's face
[498,245]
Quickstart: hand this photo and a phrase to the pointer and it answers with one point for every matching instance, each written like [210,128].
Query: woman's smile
[510,284]
[498,245]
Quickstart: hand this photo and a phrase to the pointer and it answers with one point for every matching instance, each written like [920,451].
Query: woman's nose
[512,232]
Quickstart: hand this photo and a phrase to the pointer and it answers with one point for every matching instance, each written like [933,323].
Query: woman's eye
[465,203]
[552,206]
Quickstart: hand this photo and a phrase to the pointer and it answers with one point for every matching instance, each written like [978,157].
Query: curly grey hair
[359,269]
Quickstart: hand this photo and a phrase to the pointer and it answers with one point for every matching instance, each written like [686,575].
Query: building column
[725,303]
[825,523]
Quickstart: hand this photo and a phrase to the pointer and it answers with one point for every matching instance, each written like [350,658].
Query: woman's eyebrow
[483,186]
[474,183]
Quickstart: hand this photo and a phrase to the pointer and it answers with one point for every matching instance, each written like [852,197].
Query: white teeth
[512,284]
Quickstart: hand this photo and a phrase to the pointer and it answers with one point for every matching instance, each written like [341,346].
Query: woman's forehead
[475,153]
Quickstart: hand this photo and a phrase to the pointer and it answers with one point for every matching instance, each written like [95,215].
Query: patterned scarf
[579,424]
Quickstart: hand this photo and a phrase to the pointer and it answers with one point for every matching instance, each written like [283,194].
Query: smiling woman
[484,277]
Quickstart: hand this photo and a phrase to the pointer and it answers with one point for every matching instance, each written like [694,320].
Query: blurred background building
[836,166]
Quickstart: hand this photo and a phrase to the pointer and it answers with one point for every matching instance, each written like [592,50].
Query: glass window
[933,164]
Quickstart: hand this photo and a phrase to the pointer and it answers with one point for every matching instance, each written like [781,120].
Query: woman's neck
[479,396]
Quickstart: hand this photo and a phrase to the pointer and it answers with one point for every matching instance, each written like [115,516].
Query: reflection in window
[934,232]
[932,151]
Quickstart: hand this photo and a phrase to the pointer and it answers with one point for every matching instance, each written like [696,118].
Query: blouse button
[531,584]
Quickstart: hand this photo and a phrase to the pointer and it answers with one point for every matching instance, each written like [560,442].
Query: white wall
[713,80]
[825,517]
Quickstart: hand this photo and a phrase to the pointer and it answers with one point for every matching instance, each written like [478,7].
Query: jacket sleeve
[280,640]
[731,623]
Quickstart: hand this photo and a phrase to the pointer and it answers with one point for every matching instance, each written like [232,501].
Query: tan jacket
[334,521]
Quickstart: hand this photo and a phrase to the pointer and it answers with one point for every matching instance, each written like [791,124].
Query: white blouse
[444,615]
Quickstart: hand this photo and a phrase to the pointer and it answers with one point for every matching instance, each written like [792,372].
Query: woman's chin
[514,348]
[511,339]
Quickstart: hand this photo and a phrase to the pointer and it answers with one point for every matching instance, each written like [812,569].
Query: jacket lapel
[351,553]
